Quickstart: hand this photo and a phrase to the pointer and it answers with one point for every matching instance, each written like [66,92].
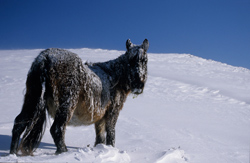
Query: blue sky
[212,29]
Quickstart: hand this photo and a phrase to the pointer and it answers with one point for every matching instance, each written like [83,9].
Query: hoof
[12,152]
[59,151]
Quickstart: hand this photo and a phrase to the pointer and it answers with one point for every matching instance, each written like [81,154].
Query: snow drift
[192,110]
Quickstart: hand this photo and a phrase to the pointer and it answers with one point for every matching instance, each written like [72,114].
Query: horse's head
[138,60]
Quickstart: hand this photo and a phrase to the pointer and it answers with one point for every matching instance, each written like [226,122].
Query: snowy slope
[192,111]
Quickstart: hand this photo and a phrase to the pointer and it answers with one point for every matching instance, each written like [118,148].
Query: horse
[74,93]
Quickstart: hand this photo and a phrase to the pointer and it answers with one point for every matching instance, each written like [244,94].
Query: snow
[192,110]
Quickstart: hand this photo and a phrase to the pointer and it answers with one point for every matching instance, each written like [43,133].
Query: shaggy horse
[74,93]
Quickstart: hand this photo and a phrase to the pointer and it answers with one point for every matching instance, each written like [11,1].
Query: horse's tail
[35,106]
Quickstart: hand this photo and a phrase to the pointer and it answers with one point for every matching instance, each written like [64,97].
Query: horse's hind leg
[20,124]
[62,117]
[58,129]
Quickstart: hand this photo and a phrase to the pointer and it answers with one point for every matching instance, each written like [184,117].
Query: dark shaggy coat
[74,93]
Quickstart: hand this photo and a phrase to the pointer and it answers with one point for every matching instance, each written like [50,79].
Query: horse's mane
[116,69]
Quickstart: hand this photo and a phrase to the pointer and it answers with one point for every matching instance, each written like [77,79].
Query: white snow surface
[192,110]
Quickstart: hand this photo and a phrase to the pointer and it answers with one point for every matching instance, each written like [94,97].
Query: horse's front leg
[100,131]
[111,120]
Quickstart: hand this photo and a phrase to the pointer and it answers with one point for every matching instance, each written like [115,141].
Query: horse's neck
[116,68]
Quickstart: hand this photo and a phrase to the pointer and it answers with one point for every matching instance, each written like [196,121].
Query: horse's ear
[145,44]
[128,44]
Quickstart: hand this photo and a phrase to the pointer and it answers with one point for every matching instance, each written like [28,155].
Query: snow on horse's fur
[74,93]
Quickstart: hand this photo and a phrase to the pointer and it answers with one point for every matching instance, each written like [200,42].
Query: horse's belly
[86,116]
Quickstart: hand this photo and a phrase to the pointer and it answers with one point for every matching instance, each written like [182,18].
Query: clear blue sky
[212,29]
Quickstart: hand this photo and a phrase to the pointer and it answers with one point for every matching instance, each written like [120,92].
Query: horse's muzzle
[137,91]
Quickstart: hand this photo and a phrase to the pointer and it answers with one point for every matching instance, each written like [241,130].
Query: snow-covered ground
[192,111]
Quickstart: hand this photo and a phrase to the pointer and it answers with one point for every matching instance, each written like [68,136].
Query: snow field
[192,110]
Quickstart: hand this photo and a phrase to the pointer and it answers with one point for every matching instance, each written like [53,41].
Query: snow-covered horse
[74,93]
